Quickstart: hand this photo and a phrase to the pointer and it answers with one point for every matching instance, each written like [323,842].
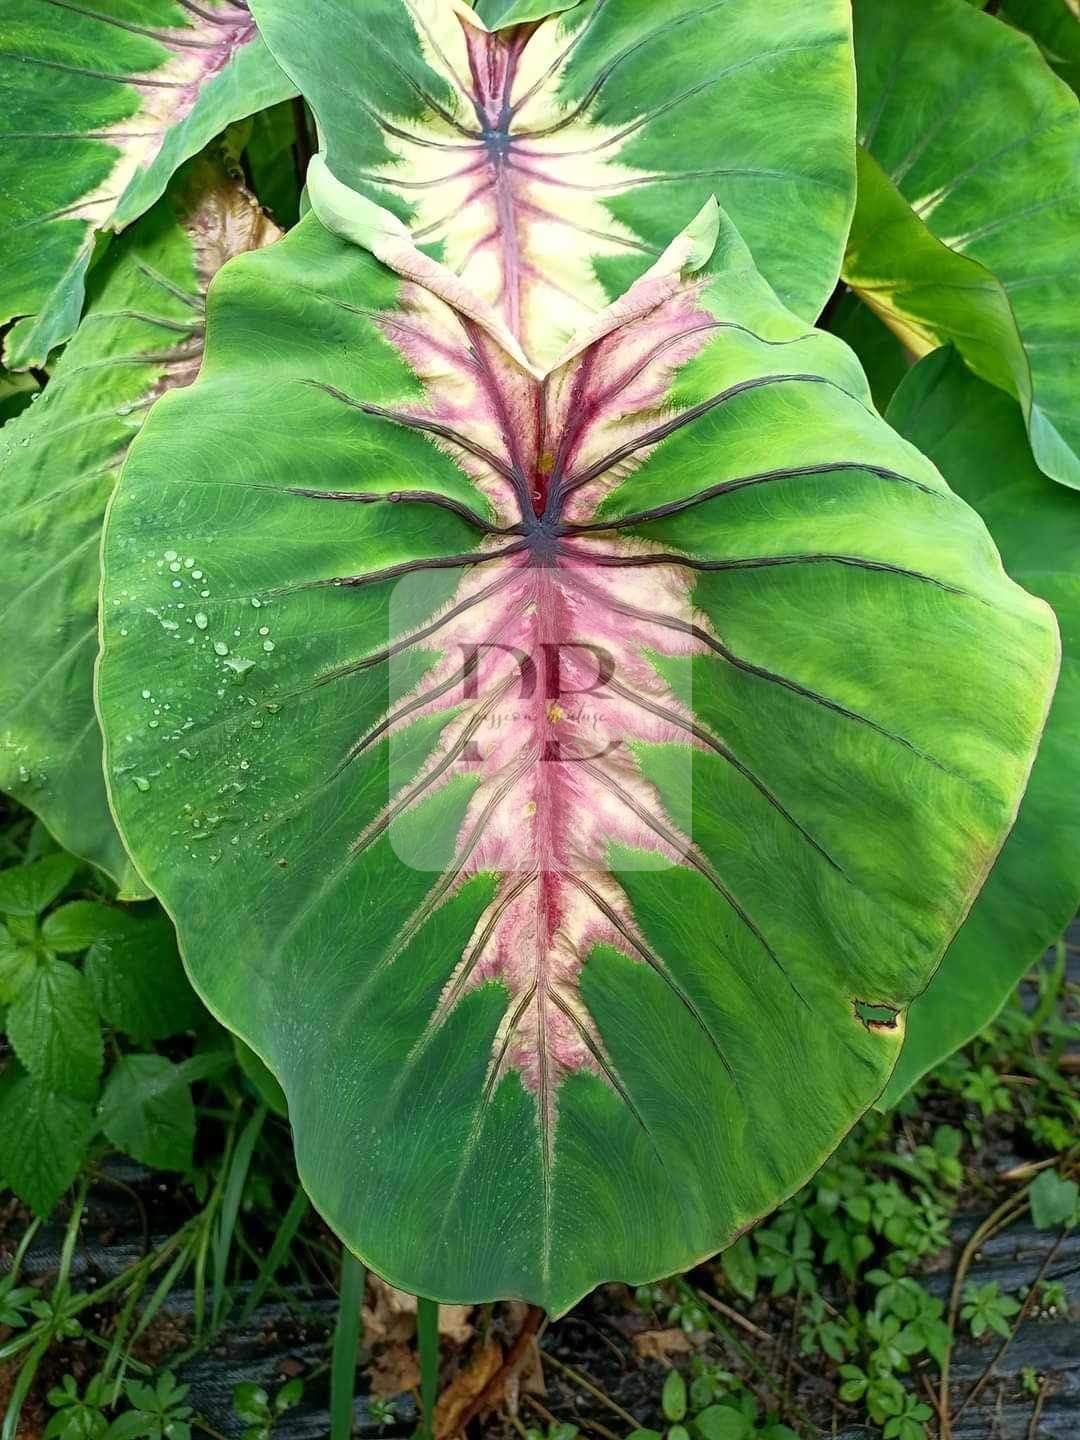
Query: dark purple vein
[759,562]
[763,477]
[690,854]
[772,677]
[380,657]
[605,1066]
[676,423]
[672,717]
[653,962]
[612,66]
[408,567]
[405,497]
[419,422]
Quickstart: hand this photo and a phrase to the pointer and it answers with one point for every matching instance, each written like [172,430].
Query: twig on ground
[546,1415]
[584,1383]
[1009,1210]
[1036,1414]
[976,1389]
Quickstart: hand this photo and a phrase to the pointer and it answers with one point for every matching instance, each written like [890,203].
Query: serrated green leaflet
[585,769]
[142,333]
[975,435]
[982,140]
[45,1140]
[102,104]
[550,163]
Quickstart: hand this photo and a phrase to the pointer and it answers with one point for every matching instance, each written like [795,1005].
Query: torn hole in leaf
[877,1016]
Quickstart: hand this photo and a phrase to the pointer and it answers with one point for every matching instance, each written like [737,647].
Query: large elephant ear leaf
[551,162]
[975,435]
[563,781]
[141,335]
[1055,27]
[496,14]
[980,138]
[102,105]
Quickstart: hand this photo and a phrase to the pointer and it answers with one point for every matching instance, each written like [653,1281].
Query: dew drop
[141,783]
[220,648]
[268,645]
[201,620]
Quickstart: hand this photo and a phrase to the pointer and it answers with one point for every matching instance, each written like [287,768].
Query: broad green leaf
[498,13]
[549,166]
[137,980]
[147,1111]
[975,435]
[53,1028]
[16,966]
[1054,1201]
[740,1268]
[142,334]
[982,140]
[45,1141]
[926,293]
[74,927]
[26,890]
[883,358]
[563,967]
[1054,25]
[271,162]
[261,1080]
[103,103]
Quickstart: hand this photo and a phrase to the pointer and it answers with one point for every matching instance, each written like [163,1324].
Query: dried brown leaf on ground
[390,1316]
[662,1345]
[465,1389]
[394,1371]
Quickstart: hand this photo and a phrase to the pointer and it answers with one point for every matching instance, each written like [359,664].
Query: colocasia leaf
[571,772]
[1055,28]
[975,435]
[982,141]
[46,1136]
[142,335]
[53,1028]
[549,163]
[102,105]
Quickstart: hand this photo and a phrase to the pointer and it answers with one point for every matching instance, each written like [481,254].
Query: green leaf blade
[53,1028]
[103,110]
[46,1137]
[376,912]
[981,139]
[148,1113]
[975,435]
[579,156]
[141,335]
